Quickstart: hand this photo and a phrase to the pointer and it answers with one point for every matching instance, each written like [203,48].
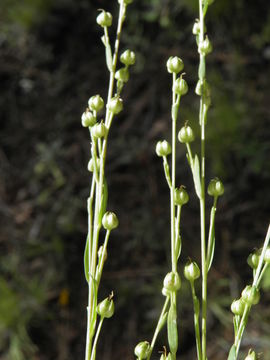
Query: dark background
[51,62]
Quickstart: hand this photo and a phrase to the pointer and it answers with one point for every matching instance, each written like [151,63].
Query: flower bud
[90,166]
[122,75]
[180,196]
[205,47]
[267,255]
[88,119]
[104,19]
[251,355]
[172,281]
[106,308]
[142,350]
[99,130]
[253,260]
[215,188]
[186,135]
[96,103]
[128,58]
[251,295]
[163,148]
[238,307]
[115,105]
[110,221]
[175,65]
[192,271]
[180,86]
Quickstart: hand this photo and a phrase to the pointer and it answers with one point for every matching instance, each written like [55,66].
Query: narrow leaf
[196,176]
[103,201]
[86,259]
[172,328]
[211,239]
[175,108]
[178,246]
[108,52]
[162,321]
[232,354]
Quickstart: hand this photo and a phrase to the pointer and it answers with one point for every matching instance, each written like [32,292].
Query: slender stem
[93,356]
[157,330]
[196,321]
[100,190]
[174,265]
[102,260]
[262,273]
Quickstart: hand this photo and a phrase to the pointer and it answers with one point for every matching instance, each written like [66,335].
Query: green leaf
[103,202]
[172,328]
[109,56]
[196,176]
[211,239]
[232,354]
[162,321]
[86,259]
[178,246]
[175,108]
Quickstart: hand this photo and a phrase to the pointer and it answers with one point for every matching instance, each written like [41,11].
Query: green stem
[157,330]
[93,355]
[102,260]
[196,321]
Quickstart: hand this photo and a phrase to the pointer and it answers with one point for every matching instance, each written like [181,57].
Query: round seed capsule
[215,188]
[128,58]
[186,135]
[90,166]
[175,65]
[142,349]
[172,281]
[122,75]
[253,260]
[251,355]
[238,307]
[106,308]
[180,196]
[99,130]
[104,19]
[88,119]
[180,86]
[115,105]
[205,47]
[110,221]
[96,103]
[163,148]
[192,271]
[251,295]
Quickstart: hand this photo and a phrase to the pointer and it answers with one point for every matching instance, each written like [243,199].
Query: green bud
[104,19]
[128,58]
[110,221]
[122,75]
[105,308]
[88,119]
[115,105]
[99,130]
[267,255]
[205,47]
[175,65]
[163,148]
[180,86]
[90,166]
[251,355]
[253,260]
[238,307]
[172,281]
[251,295]
[180,196]
[192,271]
[96,103]
[142,350]
[186,135]
[215,188]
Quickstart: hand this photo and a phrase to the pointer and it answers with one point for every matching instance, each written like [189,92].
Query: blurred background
[51,62]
